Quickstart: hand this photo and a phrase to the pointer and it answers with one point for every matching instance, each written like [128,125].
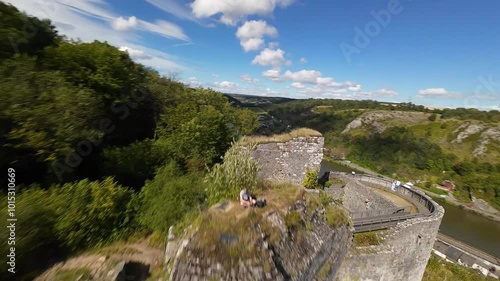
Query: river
[474,230]
[337,167]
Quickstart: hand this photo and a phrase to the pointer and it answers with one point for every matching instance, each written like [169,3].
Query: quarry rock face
[289,161]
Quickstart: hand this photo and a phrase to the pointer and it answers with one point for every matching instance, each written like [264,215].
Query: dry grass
[302,132]
[336,215]
[366,239]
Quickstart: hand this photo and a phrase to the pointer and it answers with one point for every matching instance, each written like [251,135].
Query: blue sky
[439,53]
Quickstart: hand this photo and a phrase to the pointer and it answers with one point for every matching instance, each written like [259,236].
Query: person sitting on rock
[245,199]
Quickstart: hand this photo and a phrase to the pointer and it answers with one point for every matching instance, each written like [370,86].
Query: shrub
[35,237]
[91,213]
[293,221]
[167,198]
[311,179]
[237,171]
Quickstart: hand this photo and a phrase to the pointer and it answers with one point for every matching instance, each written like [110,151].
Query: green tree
[45,113]
[22,34]
[133,164]
[197,127]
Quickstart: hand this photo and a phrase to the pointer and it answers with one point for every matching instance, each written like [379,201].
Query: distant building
[447,185]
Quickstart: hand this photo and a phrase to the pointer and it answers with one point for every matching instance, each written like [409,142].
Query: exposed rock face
[468,130]
[289,161]
[297,255]
[489,136]
[374,118]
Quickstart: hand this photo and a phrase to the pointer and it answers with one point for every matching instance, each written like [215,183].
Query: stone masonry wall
[289,161]
[402,255]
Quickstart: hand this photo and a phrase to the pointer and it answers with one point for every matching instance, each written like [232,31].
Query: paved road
[467,248]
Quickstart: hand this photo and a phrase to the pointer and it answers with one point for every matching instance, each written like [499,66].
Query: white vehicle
[408,185]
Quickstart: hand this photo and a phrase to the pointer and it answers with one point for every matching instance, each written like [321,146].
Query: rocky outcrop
[289,161]
[295,255]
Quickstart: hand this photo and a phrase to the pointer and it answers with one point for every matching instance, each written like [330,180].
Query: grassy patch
[231,235]
[293,220]
[335,216]
[437,269]
[314,201]
[74,274]
[302,132]
[365,239]
[116,250]
[323,272]
[338,181]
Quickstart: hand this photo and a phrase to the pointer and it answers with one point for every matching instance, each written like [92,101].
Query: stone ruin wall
[289,161]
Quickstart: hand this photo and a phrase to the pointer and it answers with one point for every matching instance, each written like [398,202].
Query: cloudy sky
[441,53]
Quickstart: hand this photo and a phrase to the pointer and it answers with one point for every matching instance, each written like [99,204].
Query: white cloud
[215,75]
[303,60]
[122,24]
[173,7]
[298,85]
[324,80]
[303,76]
[271,57]
[273,74]
[226,85]
[89,20]
[437,93]
[354,88]
[164,28]
[382,93]
[232,11]
[135,54]
[193,82]
[251,34]
[248,78]
[273,45]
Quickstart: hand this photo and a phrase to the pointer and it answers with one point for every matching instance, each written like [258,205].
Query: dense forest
[103,148]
